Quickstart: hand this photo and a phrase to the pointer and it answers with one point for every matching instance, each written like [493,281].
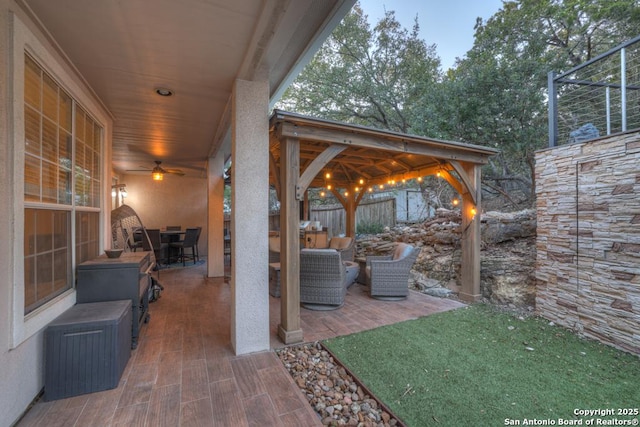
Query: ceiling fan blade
[174,172]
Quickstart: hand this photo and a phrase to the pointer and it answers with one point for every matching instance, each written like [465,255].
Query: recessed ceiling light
[163,91]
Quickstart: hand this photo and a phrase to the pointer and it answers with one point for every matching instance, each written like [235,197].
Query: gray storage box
[87,348]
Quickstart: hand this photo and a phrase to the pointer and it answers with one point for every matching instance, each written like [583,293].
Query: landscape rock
[337,402]
[508,254]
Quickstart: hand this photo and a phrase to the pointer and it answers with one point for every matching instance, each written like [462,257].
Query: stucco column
[249,216]
[215,216]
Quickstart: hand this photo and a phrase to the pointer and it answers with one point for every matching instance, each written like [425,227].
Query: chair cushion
[340,242]
[402,250]
[318,250]
[352,269]
[274,243]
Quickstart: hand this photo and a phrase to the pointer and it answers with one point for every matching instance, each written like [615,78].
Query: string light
[419,179]
[361,182]
[328,186]
[381,186]
[322,194]
[327,175]
[455,202]
[370,189]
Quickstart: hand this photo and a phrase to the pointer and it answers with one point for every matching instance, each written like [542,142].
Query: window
[62,186]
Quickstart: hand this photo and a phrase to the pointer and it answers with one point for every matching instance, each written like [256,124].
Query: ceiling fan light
[157,173]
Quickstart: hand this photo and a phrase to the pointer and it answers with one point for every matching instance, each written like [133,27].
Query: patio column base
[469,297]
[290,337]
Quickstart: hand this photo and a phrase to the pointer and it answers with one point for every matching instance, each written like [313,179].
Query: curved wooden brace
[468,185]
[452,181]
[339,197]
[315,167]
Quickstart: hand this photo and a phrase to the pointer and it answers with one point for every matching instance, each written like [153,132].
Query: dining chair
[160,249]
[197,255]
[189,242]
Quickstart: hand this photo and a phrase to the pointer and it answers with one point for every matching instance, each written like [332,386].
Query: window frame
[26,42]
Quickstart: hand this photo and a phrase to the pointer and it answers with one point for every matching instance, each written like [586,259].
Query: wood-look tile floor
[184,371]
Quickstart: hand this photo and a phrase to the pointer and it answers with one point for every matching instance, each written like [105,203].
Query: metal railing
[599,97]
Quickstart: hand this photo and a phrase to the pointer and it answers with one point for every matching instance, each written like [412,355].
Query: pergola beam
[441,150]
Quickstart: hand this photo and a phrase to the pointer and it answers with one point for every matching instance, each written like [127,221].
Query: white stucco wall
[21,338]
[176,200]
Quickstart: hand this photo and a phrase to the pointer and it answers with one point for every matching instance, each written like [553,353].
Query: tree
[497,95]
[374,77]
[387,77]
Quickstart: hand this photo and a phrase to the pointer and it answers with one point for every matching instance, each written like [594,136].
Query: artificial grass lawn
[478,366]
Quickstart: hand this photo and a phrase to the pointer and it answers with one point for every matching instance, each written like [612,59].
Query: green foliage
[477,366]
[369,228]
[386,77]
[369,76]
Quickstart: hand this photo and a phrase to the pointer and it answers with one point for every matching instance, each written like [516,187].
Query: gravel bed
[334,394]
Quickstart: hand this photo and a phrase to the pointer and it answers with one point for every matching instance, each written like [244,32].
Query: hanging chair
[125,223]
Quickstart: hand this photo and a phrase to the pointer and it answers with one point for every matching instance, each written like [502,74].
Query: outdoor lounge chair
[344,245]
[388,275]
[322,279]
[274,249]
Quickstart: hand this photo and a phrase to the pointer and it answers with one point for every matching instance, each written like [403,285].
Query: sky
[446,23]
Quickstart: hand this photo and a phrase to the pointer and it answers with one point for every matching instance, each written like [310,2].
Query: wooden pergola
[307,152]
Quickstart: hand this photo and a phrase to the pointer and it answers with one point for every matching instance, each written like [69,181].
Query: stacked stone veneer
[588,238]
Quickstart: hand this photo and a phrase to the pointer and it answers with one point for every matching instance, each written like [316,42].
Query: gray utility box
[87,348]
[111,279]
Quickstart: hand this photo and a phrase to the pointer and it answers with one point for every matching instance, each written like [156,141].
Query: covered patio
[349,161]
[185,372]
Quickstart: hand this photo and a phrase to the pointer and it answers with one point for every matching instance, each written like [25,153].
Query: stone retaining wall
[588,238]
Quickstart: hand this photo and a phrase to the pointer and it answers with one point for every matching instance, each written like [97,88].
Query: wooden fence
[372,212]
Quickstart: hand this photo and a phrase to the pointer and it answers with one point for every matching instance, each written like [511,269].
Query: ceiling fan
[157,173]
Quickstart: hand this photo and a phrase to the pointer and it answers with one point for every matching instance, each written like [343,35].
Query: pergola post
[289,329]
[350,217]
[470,239]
